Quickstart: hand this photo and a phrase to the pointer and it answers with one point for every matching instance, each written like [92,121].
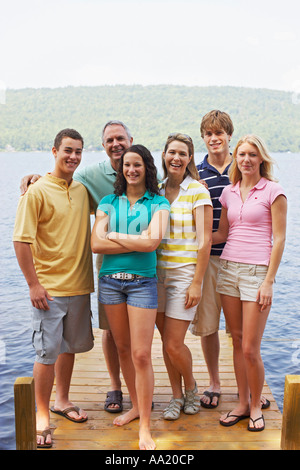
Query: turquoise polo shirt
[132,221]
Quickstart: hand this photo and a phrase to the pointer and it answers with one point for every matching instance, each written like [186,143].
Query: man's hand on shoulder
[26,181]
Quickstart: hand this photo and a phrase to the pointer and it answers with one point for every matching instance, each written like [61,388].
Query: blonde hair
[186,139]
[266,167]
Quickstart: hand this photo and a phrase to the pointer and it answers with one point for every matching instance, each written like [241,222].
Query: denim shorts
[139,292]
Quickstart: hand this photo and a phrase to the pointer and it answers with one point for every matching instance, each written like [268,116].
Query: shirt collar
[147,195]
[183,185]
[108,169]
[60,181]
[206,165]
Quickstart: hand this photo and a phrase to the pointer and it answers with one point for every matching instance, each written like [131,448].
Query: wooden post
[290,434]
[25,423]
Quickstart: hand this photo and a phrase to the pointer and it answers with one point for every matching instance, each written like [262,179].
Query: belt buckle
[123,276]
[128,276]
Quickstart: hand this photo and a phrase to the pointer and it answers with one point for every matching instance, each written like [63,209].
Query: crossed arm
[106,242]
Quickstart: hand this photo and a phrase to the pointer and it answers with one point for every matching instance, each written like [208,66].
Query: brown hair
[186,139]
[216,120]
[67,133]
[151,171]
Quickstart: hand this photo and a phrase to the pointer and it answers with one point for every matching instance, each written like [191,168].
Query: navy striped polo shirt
[216,182]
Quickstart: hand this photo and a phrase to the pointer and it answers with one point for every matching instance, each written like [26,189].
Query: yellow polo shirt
[54,218]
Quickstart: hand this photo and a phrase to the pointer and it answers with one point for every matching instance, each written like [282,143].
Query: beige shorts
[103,322]
[171,287]
[240,279]
[207,317]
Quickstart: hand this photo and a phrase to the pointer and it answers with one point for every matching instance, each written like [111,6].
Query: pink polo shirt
[250,223]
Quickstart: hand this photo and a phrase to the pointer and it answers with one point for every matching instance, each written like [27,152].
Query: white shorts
[171,287]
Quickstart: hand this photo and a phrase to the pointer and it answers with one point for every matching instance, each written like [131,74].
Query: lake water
[281,341]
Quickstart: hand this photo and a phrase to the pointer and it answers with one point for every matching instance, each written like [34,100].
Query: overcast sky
[56,43]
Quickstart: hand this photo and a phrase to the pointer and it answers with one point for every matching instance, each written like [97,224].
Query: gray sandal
[172,412]
[192,401]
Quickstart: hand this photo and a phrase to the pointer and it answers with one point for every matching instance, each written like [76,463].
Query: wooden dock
[90,383]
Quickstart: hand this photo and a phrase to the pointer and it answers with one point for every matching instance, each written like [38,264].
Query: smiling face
[134,170]
[115,142]
[177,158]
[248,160]
[216,141]
[67,158]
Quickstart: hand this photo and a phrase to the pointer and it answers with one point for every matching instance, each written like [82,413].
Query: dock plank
[90,383]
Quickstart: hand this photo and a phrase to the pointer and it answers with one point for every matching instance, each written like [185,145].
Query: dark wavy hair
[151,171]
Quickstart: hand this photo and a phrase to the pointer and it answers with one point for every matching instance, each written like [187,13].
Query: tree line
[30,118]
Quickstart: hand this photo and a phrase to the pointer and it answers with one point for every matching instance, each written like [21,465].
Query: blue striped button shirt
[216,183]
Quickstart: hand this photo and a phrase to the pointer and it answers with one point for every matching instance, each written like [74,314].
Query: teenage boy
[216,130]
[52,244]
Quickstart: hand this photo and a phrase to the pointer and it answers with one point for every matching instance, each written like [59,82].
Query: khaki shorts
[171,288]
[103,322]
[207,317]
[240,279]
[65,328]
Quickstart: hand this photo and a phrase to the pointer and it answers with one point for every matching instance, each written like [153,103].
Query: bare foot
[127,417]
[146,441]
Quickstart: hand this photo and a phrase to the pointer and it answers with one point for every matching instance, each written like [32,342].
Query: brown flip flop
[44,434]
[66,412]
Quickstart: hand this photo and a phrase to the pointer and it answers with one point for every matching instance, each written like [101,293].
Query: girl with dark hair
[129,227]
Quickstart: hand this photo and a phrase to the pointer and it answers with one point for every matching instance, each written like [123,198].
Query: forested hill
[30,118]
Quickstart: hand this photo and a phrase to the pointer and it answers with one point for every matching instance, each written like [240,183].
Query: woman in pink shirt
[254,211]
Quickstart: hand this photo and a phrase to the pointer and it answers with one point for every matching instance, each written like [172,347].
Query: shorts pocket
[37,338]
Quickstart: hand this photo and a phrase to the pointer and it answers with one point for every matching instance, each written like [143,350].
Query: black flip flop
[210,395]
[234,421]
[254,428]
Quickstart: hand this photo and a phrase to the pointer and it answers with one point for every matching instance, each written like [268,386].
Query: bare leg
[179,356]
[174,376]
[63,372]
[254,322]
[43,379]
[232,307]
[142,322]
[112,361]
[118,319]
[133,329]
[211,350]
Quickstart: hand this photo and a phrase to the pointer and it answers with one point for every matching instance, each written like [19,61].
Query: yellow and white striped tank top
[180,247]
